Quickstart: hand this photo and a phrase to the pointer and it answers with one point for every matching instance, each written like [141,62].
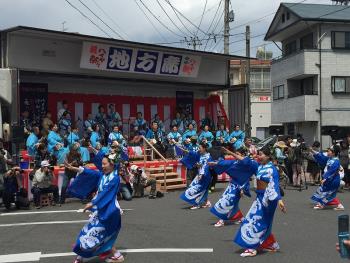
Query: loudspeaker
[17,133]
[276,130]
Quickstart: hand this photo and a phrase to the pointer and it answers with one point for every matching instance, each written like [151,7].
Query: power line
[111,19]
[150,21]
[200,23]
[179,18]
[217,23]
[174,8]
[166,13]
[165,26]
[212,21]
[115,32]
[88,18]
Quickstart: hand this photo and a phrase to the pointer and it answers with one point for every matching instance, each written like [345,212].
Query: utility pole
[227,27]
[247,42]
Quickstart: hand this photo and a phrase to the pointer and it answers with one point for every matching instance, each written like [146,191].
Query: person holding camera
[13,190]
[42,184]
[139,181]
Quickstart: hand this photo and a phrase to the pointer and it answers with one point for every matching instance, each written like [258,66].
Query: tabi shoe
[340,207]
[78,260]
[207,205]
[220,223]
[195,207]
[237,222]
[115,259]
[249,253]
[318,207]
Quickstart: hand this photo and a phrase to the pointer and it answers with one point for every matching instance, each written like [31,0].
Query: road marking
[44,223]
[36,256]
[49,212]
[23,257]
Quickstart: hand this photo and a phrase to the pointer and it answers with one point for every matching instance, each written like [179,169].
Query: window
[341,40]
[283,18]
[340,84]
[288,16]
[307,41]
[278,92]
[290,48]
[260,78]
[301,87]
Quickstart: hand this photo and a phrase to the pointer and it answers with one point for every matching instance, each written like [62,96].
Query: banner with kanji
[138,61]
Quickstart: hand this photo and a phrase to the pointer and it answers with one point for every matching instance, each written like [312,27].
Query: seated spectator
[159,122]
[206,136]
[114,118]
[95,135]
[13,191]
[155,136]
[140,128]
[73,136]
[207,121]
[190,132]
[189,120]
[222,135]
[63,110]
[178,122]
[101,120]
[139,181]
[42,184]
[65,124]
[46,123]
[56,145]
[88,124]
[174,137]
[237,137]
[115,135]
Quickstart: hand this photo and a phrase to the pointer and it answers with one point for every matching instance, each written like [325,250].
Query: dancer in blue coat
[197,193]
[325,195]
[240,170]
[98,236]
[255,232]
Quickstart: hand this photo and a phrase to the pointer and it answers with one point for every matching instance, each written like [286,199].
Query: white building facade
[311,80]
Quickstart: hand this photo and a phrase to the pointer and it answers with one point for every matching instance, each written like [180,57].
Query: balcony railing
[296,52]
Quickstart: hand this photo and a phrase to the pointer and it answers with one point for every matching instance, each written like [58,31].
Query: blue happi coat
[208,136]
[239,135]
[240,173]
[101,231]
[95,138]
[197,192]
[188,134]
[31,142]
[72,138]
[53,139]
[257,224]
[222,134]
[328,191]
[115,136]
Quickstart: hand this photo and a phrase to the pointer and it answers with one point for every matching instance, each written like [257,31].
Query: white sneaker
[220,223]
[340,207]
[195,207]
[318,207]
[249,253]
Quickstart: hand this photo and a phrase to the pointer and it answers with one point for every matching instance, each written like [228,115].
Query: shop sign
[139,61]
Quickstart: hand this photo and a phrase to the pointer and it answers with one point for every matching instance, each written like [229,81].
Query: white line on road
[48,212]
[36,256]
[44,223]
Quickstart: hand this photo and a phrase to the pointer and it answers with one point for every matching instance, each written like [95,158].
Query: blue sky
[128,21]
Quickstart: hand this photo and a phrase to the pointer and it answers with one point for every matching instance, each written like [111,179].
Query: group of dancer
[98,236]
[255,232]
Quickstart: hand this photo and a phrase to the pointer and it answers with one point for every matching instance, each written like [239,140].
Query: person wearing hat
[42,184]
[280,146]
[139,181]
[325,195]
[255,233]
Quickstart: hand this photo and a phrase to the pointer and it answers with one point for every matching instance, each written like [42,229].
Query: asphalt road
[304,235]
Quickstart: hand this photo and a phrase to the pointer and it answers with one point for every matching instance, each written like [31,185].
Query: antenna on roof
[341,2]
